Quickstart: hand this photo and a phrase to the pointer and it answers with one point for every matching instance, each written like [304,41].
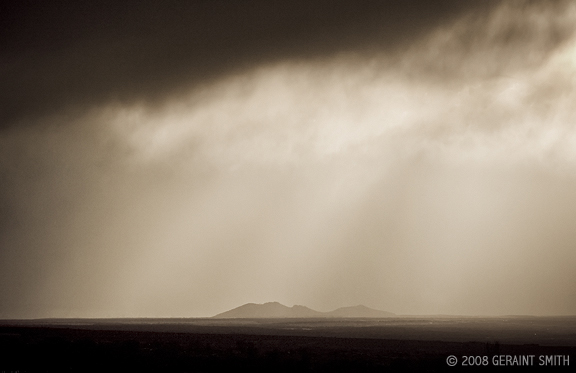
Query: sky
[179,159]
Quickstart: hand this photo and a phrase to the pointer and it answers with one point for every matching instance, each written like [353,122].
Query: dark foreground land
[288,345]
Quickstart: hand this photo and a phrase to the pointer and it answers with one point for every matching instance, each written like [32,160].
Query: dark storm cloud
[71,55]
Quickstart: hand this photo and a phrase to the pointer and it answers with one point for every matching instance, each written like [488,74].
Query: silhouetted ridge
[358,311]
[277,310]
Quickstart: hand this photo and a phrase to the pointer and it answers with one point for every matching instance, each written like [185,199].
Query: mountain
[358,311]
[277,310]
[268,310]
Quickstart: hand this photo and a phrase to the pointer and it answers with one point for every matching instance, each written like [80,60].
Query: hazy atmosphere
[175,159]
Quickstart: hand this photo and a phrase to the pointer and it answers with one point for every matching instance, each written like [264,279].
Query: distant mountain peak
[359,311]
[278,310]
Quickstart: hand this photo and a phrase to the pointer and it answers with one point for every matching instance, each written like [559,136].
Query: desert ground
[291,345]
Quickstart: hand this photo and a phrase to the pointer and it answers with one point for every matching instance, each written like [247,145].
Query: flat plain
[415,343]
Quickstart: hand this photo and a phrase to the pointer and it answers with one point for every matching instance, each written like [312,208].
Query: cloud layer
[496,85]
